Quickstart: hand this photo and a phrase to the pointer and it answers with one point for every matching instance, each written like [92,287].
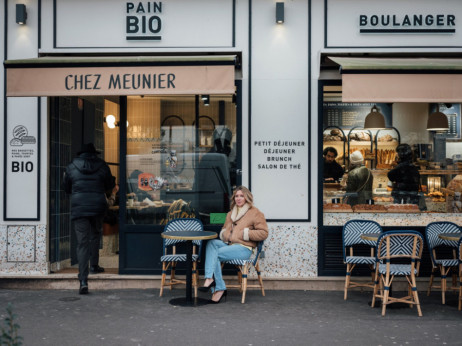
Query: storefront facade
[180,77]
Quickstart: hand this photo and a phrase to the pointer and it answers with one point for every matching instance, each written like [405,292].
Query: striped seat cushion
[447,262]
[396,269]
[177,258]
[360,260]
[239,262]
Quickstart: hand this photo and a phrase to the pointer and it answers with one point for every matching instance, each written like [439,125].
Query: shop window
[179,163]
[430,181]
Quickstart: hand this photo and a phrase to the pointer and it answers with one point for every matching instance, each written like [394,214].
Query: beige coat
[246,228]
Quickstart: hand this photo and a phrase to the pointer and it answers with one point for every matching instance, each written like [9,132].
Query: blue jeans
[217,252]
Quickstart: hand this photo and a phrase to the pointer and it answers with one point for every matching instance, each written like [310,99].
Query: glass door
[180,157]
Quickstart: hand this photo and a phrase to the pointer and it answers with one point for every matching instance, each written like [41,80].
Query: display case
[361,140]
[333,136]
[386,141]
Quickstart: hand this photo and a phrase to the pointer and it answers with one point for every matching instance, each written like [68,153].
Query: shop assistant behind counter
[332,170]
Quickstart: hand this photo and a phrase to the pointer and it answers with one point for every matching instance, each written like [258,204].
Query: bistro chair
[404,249]
[243,267]
[170,257]
[459,256]
[443,265]
[351,235]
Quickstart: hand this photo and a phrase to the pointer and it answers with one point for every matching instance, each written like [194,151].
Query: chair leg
[349,269]
[172,275]
[245,270]
[416,296]
[430,284]
[444,273]
[460,293]
[195,278]
[376,288]
[260,280]
[385,301]
[162,281]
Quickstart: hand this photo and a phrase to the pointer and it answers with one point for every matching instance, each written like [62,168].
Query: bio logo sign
[143,21]
[21,138]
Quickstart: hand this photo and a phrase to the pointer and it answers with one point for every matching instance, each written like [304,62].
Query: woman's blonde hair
[247,195]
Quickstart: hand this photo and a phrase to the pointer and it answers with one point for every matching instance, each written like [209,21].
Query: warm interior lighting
[374,120]
[279,12]
[434,184]
[206,99]
[110,121]
[437,121]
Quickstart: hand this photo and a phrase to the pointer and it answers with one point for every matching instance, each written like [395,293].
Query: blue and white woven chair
[459,256]
[351,235]
[243,267]
[170,256]
[444,265]
[405,247]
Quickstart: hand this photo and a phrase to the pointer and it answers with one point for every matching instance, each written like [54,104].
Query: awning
[96,76]
[400,79]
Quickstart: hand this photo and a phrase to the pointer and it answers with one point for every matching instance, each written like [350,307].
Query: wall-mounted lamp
[205,99]
[374,120]
[111,122]
[279,12]
[21,14]
[437,121]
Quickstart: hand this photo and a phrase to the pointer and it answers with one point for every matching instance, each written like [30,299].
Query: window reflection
[176,168]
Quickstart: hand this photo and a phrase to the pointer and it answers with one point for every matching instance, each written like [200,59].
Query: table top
[189,235]
[450,236]
[371,236]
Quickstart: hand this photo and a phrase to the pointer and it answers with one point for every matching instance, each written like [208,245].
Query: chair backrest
[255,257]
[187,224]
[352,230]
[400,244]
[436,228]
[459,250]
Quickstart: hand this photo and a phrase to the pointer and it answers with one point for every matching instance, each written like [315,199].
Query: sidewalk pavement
[141,317]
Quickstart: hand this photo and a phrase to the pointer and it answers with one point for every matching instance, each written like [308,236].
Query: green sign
[217,218]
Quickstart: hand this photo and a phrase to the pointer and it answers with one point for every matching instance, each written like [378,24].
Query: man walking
[88,178]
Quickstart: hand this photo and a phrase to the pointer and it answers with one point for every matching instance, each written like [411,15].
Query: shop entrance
[172,156]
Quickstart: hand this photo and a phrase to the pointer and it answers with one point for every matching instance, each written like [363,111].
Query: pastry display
[369,208]
[403,208]
[383,199]
[337,208]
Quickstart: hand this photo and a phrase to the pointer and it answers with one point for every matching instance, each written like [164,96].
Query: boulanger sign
[393,23]
[407,23]
[137,80]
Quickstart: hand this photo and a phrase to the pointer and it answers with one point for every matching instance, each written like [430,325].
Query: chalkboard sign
[348,115]
[452,111]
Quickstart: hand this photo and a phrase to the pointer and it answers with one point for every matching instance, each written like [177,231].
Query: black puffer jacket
[88,178]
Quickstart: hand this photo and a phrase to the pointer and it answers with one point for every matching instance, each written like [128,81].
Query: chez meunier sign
[123,80]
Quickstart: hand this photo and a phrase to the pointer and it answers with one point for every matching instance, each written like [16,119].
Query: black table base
[182,301]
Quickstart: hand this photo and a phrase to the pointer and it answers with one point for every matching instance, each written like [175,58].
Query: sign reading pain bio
[153,24]
[22,157]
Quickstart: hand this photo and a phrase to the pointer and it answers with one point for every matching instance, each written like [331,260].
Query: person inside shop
[359,181]
[244,227]
[332,170]
[405,177]
[88,178]
[215,175]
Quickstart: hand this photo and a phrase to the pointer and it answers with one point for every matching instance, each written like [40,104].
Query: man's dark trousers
[88,233]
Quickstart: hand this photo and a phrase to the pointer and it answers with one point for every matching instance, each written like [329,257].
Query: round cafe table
[450,236]
[189,237]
